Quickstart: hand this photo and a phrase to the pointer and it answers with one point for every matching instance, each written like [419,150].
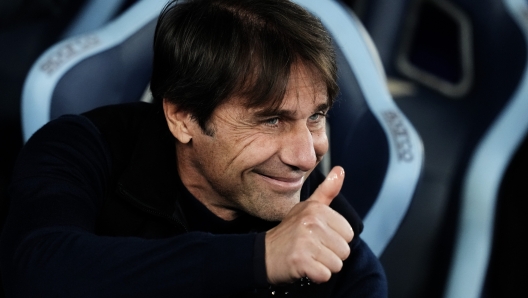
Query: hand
[312,240]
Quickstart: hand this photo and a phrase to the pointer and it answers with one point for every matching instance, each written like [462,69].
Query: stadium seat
[467,65]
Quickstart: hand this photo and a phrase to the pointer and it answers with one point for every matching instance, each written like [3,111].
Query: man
[211,191]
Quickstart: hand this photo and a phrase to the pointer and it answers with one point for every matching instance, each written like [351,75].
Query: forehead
[304,91]
[305,86]
[306,79]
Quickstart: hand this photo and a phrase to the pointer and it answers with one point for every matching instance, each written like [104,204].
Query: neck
[200,188]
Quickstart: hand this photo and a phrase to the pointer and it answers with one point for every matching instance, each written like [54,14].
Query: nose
[299,149]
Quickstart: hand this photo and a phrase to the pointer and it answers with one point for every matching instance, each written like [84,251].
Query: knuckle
[297,258]
[311,220]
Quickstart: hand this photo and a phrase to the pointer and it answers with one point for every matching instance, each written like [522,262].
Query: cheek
[238,153]
[212,154]
[258,151]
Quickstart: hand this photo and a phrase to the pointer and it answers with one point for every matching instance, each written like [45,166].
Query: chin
[267,204]
[272,216]
[276,212]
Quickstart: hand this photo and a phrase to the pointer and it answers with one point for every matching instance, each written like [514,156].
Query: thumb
[330,187]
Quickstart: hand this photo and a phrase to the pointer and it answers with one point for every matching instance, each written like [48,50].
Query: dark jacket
[98,210]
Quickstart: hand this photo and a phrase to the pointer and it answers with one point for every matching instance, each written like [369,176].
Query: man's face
[258,159]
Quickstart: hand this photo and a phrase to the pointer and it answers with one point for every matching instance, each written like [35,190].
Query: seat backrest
[468,61]
[107,66]
[93,15]
[484,176]
[369,136]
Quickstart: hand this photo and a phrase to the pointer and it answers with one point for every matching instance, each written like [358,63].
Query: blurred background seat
[490,223]
[457,69]
[107,66]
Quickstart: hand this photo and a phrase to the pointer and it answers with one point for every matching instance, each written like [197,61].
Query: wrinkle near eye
[239,153]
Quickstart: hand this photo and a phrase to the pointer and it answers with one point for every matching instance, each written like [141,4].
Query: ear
[179,121]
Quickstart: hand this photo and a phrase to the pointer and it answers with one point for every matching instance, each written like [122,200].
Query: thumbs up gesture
[312,240]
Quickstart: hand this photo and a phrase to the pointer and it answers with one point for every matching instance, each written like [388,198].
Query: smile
[283,184]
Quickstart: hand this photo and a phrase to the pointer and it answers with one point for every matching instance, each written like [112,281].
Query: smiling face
[256,159]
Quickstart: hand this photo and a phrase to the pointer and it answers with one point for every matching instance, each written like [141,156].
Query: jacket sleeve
[362,275]
[48,247]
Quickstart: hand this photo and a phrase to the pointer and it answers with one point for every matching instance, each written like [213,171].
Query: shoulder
[66,133]
[121,125]
[68,150]
[121,121]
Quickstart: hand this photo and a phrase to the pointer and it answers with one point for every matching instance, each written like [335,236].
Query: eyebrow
[269,112]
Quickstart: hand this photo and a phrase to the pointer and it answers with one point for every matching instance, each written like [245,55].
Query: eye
[317,116]
[272,121]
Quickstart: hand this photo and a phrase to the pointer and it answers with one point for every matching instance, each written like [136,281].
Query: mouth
[291,183]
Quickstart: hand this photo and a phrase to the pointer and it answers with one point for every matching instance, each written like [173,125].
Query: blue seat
[467,64]
[369,136]
[93,15]
[107,66]
[485,175]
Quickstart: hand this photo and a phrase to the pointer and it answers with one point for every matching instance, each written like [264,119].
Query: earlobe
[178,121]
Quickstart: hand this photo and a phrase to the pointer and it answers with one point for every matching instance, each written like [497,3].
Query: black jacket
[98,210]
